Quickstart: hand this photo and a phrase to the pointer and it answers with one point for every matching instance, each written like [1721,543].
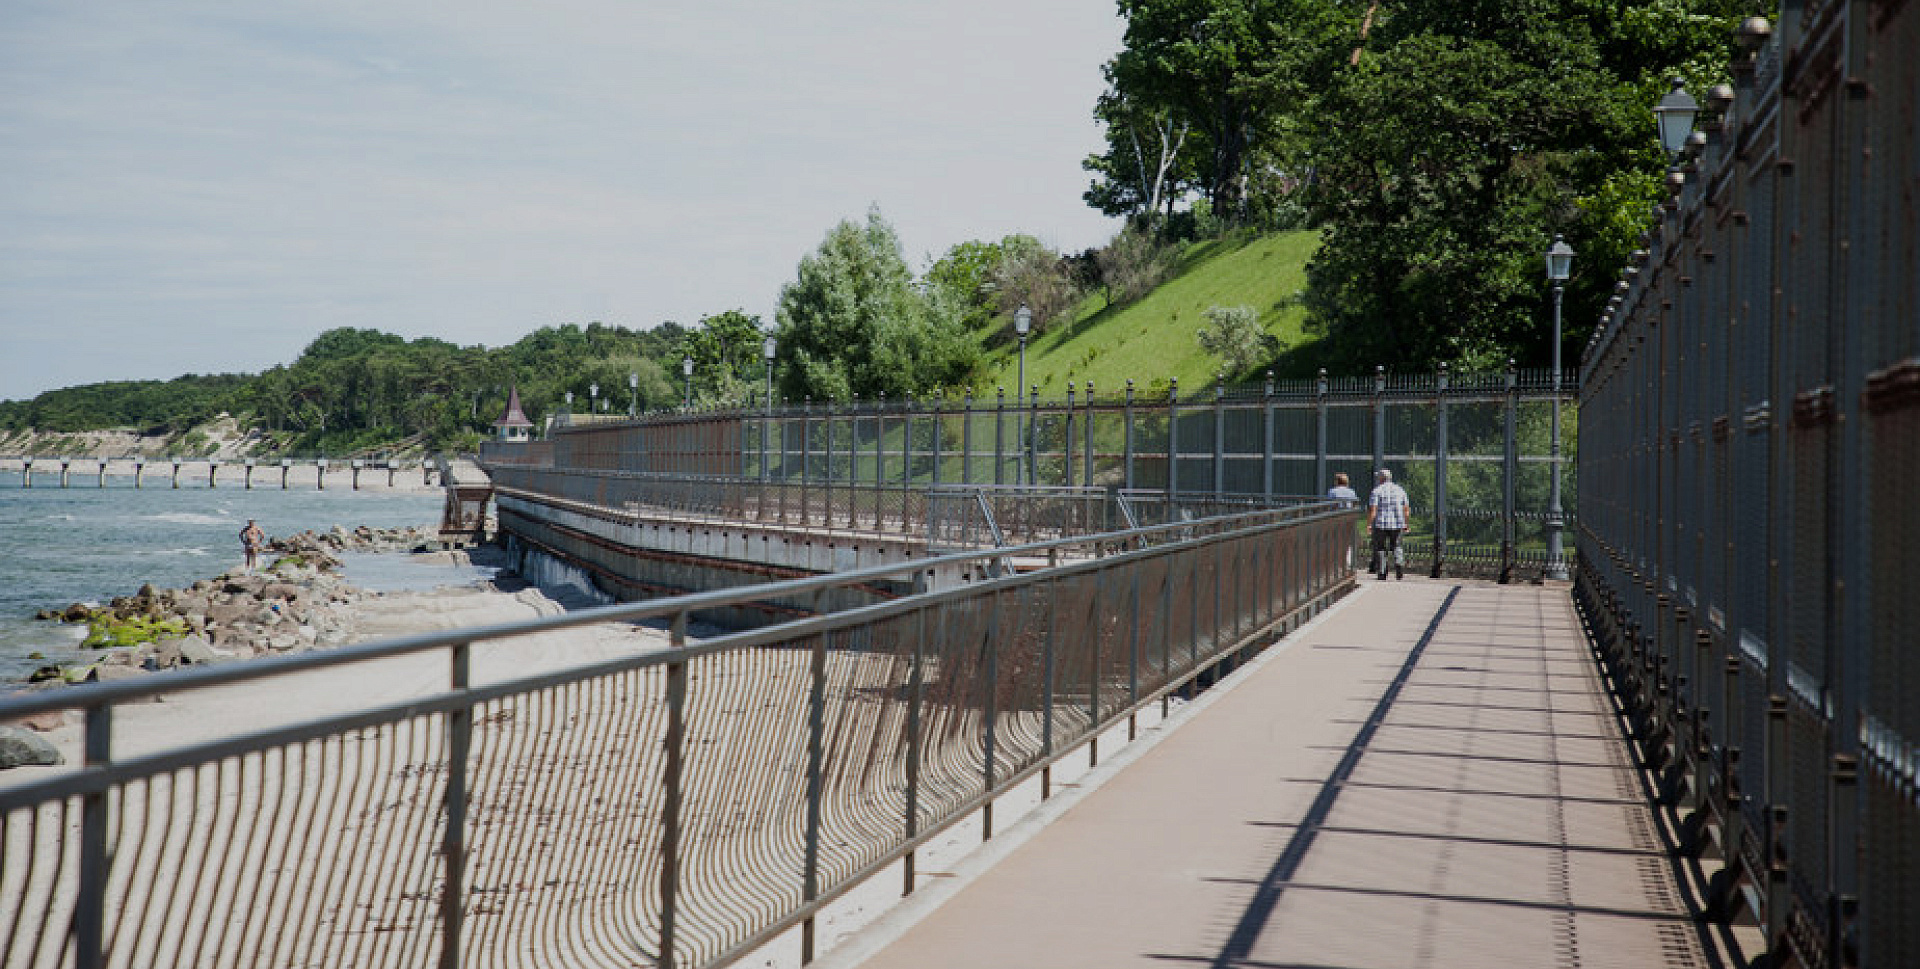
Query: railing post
[1508,472]
[1440,474]
[939,431]
[1379,419]
[453,845]
[806,461]
[674,784]
[1133,656]
[1033,436]
[1050,657]
[916,687]
[991,709]
[90,906]
[816,765]
[1127,432]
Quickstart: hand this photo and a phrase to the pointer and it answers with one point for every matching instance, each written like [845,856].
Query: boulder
[195,649]
[20,747]
[107,674]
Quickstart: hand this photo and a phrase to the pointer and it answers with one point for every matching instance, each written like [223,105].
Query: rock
[280,590]
[165,654]
[20,747]
[228,613]
[194,649]
[107,674]
[121,657]
[46,721]
[45,674]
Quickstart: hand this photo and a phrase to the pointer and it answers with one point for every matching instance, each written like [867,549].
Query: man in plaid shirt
[1388,513]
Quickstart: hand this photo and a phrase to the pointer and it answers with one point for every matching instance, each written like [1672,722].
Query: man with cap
[1388,513]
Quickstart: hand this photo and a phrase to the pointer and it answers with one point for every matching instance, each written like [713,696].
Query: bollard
[249,474]
[356,474]
[26,474]
[213,471]
[320,475]
[286,465]
[103,472]
[176,474]
[63,472]
[139,468]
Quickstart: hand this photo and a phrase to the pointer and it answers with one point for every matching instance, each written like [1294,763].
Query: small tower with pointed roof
[513,425]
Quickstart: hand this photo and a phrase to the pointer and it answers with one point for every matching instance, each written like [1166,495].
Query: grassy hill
[1153,339]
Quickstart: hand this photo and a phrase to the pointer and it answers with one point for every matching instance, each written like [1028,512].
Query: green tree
[853,322]
[1233,334]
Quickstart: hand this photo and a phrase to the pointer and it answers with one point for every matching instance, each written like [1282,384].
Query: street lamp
[593,397]
[686,367]
[1674,115]
[767,347]
[1022,322]
[633,385]
[1559,264]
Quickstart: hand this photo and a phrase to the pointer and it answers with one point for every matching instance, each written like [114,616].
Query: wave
[189,518]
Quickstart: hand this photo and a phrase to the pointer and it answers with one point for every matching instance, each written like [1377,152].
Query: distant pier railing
[65,471]
[678,807]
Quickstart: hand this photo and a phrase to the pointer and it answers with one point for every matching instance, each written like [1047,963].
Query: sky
[204,187]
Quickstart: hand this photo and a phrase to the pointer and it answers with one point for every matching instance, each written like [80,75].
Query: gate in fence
[1747,524]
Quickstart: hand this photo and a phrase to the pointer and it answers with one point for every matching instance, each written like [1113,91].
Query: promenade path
[1430,776]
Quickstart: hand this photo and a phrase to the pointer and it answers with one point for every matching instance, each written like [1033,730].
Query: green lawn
[1153,339]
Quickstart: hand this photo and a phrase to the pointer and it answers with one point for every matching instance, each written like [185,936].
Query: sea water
[89,544]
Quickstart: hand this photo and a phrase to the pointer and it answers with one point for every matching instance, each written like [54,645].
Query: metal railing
[1468,448]
[675,807]
[1748,530]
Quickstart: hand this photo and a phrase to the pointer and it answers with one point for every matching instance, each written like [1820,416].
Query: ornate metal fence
[442,804]
[1752,417]
[1471,449]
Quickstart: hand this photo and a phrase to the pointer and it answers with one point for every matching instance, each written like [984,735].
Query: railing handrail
[107,694]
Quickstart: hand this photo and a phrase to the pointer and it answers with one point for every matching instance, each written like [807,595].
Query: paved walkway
[1429,777]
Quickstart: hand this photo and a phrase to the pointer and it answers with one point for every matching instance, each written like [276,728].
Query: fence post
[1220,435]
[1066,442]
[1050,657]
[1320,433]
[1173,442]
[1507,474]
[1127,432]
[1266,440]
[999,435]
[1086,441]
[1379,419]
[1032,436]
[1440,474]
[966,440]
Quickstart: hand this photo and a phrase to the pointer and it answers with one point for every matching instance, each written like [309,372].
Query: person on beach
[1388,515]
[251,538]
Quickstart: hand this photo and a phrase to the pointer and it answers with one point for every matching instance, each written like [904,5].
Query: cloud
[205,186]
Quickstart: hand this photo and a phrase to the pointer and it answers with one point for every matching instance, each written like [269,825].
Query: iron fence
[680,806]
[1472,450]
[1747,535]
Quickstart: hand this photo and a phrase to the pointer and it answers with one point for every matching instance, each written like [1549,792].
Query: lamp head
[1559,259]
[1022,320]
[767,347]
[1675,114]
[686,366]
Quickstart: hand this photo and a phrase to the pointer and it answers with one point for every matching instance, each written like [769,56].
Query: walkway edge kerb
[901,918]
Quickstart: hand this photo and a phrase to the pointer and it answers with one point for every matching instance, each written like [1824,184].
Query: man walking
[1388,513]
[251,538]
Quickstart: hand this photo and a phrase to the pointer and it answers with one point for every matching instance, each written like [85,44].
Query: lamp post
[767,347]
[1022,322]
[569,407]
[633,385]
[593,397]
[686,367]
[1559,263]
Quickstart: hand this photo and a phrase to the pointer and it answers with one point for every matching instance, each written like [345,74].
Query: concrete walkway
[1430,777]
